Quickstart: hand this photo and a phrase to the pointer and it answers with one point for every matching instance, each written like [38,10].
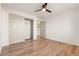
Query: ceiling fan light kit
[44,8]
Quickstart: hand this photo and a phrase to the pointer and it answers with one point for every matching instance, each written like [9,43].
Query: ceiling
[31,7]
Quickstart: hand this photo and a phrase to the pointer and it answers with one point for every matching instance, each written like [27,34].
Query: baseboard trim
[63,42]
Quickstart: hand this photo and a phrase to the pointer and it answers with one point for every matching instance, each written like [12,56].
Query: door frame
[31,29]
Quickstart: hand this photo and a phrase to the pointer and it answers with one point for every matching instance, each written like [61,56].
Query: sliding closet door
[16,29]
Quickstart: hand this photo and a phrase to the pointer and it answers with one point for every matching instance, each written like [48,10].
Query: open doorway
[40,29]
[20,29]
[28,28]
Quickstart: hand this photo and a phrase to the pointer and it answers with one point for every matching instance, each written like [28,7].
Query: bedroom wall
[0,26]
[64,27]
[5,28]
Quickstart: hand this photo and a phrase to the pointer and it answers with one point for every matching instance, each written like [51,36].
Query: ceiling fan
[44,8]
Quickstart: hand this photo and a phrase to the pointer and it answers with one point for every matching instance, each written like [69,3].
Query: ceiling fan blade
[38,10]
[48,11]
[44,5]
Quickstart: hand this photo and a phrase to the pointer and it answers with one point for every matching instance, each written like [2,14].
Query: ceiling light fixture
[43,9]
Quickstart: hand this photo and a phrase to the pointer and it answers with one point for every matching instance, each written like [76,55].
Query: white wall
[5,28]
[0,26]
[64,27]
[5,23]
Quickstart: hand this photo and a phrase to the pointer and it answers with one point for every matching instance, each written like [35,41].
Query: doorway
[29,26]
[40,29]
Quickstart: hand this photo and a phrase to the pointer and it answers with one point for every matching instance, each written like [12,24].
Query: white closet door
[16,28]
[19,28]
[27,29]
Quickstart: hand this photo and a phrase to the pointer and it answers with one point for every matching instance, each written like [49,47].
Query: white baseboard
[67,42]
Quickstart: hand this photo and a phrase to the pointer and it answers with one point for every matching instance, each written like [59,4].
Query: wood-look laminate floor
[41,47]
